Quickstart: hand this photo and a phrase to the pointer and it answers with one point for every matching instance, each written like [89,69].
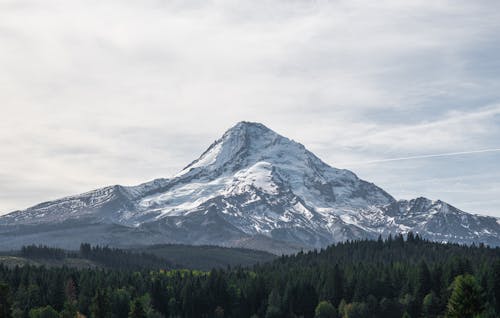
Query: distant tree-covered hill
[208,257]
[167,256]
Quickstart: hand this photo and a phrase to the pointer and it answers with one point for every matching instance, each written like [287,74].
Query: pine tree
[43,312]
[100,305]
[33,297]
[301,299]
[424,282]
[55,293]
[5,301]
[356,310]
[325,310]
[333,289]
[496,285]
[342,307]
[430,306]
[137,309]
[69,310]
[466,299]
[274,305]
[173,307]
[422,288]
[119,302]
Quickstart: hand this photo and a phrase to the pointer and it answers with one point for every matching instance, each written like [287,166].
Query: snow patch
[183,197]
[299,207]
[258,176]
[205,160]
[208,158]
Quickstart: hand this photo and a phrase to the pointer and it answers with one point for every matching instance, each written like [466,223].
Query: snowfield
[249,184]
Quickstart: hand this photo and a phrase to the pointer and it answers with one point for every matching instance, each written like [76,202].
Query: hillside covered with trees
[397,277]
[165,256]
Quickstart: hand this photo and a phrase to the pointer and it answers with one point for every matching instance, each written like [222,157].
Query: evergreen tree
[188,299]
[410,237]
[119,303]
[301,299]
[5,303]
[496,285]
[342,308]
[55,293]
[43,312]
[430,306]
[390,308]
[85,250]
[173,307]
[274,305]
[466,299]
[424,282]
[158,296]
[333,289]
[325,310]
[489,312]
[137,309]
[69,310]
[356,310]
[32,298]
[18,313]
[422,287]
[100,305]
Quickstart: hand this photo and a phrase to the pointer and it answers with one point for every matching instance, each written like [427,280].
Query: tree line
[394,277]
[102,255]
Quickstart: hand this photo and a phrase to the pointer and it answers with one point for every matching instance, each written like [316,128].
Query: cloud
[97,93]
[454,131]
[449,154]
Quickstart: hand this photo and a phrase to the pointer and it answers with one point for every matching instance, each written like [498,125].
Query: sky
[406,94]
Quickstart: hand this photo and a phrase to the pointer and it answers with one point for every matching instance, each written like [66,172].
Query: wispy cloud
[449,154]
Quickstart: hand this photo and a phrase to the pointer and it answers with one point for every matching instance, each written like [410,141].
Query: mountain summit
[251,188]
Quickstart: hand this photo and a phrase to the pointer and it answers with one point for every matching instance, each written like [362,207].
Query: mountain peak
[249,183]
[250,125]
[258,153]
[243,144]
[249,131]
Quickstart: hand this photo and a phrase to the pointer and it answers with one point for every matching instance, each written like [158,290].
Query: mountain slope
[251,188]
[439,221]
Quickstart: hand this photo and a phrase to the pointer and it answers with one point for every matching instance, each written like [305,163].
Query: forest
[400,277]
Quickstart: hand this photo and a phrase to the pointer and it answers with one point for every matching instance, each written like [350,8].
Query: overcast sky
[94,93]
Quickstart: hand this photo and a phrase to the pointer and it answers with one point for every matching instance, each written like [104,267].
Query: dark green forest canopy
[386,278]
[164,256]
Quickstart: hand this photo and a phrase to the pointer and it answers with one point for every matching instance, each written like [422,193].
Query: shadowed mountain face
[251,188]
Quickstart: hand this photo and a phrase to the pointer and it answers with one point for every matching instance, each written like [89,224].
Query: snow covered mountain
[251,188]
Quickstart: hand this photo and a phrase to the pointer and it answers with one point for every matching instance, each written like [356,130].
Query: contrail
[448,154]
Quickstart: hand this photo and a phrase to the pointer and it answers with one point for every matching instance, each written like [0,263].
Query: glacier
[251,188]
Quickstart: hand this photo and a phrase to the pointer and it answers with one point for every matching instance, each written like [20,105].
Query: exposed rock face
[251,188]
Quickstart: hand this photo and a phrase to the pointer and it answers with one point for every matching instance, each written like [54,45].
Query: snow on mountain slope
[79,206]
[440,221]
[251,184]
[252,156]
